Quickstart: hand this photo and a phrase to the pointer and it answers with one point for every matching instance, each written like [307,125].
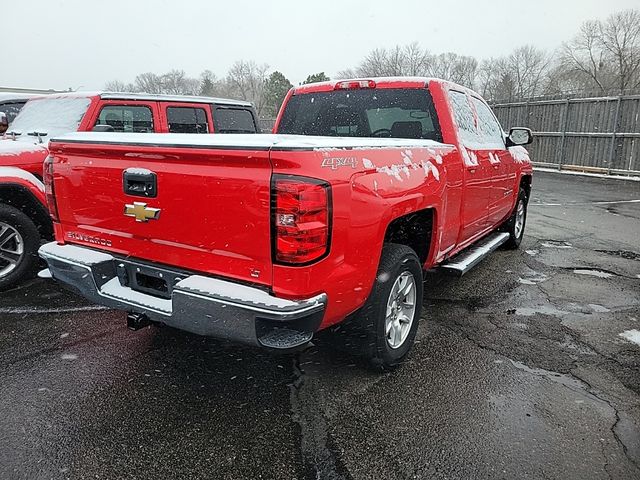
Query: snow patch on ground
[68,356]
[554,244]
[533,279]
[593,273]
[598,308]
[632,336]
[541,309]
[533,253]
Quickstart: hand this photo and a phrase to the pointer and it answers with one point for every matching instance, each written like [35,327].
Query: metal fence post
[563,136]
[612,147]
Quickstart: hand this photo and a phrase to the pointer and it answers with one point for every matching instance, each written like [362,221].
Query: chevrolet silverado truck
[24,221]
[329,223]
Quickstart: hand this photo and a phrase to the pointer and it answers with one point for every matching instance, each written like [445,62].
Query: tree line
[602,58]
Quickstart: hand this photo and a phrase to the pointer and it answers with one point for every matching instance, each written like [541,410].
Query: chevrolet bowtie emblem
[141,212]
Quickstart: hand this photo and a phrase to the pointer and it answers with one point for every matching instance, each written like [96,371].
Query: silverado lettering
[341,242]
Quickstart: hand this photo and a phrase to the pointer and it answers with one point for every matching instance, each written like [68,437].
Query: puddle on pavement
[598,308]
[560,378]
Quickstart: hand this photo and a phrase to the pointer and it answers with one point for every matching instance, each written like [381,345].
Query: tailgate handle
[140,182]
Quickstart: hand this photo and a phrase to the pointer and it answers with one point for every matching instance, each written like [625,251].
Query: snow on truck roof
[242,141]
[147,96]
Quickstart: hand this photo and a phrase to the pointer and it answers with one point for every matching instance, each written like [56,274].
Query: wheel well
[413,230]
[525,184]
[19,197]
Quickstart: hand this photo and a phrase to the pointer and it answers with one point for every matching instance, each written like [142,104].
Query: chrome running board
[471,256]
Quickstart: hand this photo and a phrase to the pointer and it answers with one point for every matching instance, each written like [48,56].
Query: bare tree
[529,66]
[583,56]
[246,80]
[620,40]
[606,55]
[410,60]
[149,83]
[453,67]
[176,82]
[119,86]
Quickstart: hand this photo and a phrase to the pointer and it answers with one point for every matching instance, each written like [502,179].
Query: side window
[489,129]
[187,120]
[234,120]
[463,116]
[127,118]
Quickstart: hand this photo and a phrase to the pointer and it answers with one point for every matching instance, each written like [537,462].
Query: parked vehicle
[267,239]
[12,102]
[24,221]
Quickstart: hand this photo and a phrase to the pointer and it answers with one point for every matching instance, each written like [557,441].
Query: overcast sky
[81,44]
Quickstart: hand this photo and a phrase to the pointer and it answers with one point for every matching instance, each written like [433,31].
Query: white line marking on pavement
[35,310]
[632,336]
[587,174]
[613,202]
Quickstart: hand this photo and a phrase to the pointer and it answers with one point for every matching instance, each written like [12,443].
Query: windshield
[50,116]
[398,113]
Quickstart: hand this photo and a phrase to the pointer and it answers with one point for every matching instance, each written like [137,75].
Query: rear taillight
[354,84]
[301,215]
[49,191]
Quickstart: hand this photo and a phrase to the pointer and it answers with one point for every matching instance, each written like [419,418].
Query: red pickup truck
[267,239]
[24,221]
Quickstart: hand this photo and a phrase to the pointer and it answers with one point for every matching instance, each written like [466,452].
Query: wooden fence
[588,134]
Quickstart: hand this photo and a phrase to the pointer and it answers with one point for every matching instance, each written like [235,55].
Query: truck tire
[19,243]
[517,221]
[389,319]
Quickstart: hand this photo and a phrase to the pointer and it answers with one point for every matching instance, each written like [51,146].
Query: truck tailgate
[204,209]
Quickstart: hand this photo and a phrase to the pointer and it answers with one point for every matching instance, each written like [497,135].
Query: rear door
[478,171]
[197,208]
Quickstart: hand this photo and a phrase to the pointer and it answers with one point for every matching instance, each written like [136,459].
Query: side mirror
[103,128]
[519,136]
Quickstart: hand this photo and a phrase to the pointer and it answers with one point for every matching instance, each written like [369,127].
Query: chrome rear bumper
[198,304]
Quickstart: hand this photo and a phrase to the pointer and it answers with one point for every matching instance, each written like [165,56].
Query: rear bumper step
[198,304]
[470,257]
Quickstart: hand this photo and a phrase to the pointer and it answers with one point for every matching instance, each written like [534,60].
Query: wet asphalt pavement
[519,372]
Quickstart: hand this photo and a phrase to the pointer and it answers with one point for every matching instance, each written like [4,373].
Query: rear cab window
[378,112]
[234,120]
[188,118]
